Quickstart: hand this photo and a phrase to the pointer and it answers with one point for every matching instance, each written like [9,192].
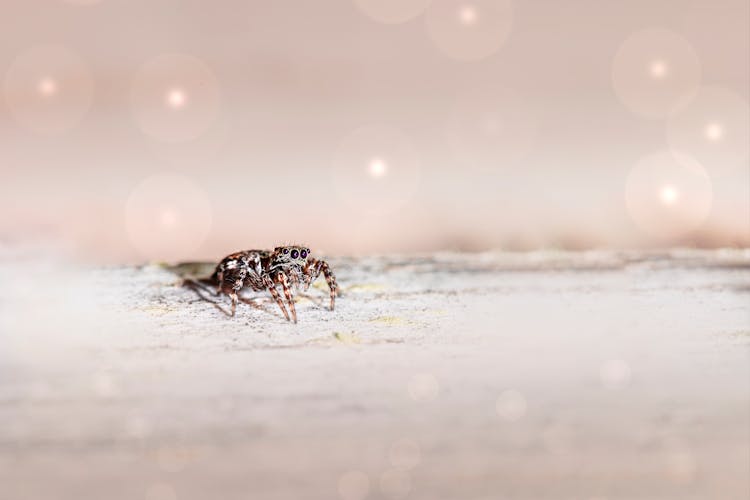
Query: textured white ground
[485,376]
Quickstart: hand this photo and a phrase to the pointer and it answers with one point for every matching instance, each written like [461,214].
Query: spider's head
[292,255]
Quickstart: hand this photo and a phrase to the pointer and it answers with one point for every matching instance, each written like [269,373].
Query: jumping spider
[263,269]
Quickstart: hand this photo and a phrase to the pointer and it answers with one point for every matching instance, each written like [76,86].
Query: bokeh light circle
[48,89]
[168,216]
[404,454]
[655,72]
[392,11]
[469,29]
[354,485]
[175,97]
[376,169]
[490,128]
[511,405]
[714,128]
[668,194]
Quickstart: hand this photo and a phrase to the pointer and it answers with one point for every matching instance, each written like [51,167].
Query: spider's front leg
[313,269]
[272,288]
[282,278]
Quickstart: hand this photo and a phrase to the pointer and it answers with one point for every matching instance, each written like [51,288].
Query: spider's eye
[286,250]
[295,254]
[303,254]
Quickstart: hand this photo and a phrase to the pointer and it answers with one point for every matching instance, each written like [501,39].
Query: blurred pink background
[184,129]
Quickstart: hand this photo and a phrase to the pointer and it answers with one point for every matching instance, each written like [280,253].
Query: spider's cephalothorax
[288,266]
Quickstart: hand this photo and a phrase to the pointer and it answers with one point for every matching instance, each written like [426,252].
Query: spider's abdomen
[244,269]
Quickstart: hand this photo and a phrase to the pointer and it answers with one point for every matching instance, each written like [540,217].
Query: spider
[263,269]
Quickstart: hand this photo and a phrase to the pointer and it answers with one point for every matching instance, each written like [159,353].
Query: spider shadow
[203,290]
[318,301]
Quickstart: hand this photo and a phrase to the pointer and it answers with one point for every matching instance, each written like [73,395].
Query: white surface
[452,376]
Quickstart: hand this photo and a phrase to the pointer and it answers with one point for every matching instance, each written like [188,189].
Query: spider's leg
[236,287]
[331,280]
[231,282]
[220,282]
[313,270]
[272,288]
[282,278]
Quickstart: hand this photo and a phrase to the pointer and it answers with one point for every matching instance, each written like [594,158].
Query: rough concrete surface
[547,375]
